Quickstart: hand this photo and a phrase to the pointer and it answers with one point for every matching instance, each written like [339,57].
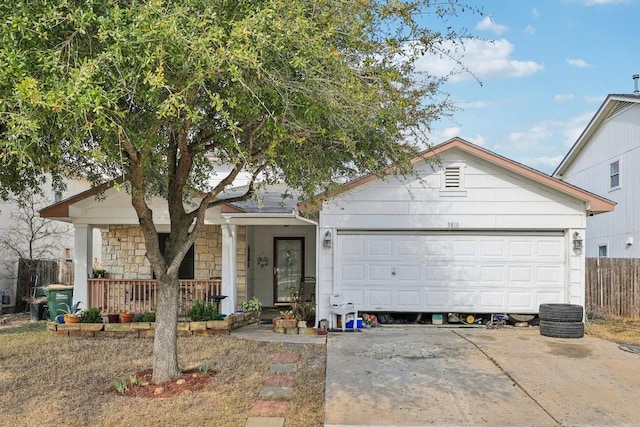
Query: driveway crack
[508,375]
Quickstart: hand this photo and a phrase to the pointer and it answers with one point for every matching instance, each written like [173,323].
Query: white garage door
[452,272]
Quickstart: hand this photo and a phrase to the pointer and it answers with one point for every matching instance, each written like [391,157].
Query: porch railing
[139,296]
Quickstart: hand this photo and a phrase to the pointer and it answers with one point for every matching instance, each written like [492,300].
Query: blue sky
[547,71]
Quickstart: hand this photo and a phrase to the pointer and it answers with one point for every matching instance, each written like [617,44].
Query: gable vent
[619,107]
[452,177]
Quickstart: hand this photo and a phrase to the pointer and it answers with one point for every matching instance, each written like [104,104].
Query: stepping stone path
[276,391]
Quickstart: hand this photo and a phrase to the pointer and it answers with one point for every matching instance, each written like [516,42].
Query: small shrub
[134,380]
[91,315]
[253,305]
[120,386]
[149,316]
[204,369]
[201,311]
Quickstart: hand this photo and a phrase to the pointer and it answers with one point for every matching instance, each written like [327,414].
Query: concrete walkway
[426,375]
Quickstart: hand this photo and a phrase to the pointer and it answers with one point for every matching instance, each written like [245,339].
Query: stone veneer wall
[123,255]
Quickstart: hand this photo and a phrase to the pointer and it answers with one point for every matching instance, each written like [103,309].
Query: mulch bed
[190,381]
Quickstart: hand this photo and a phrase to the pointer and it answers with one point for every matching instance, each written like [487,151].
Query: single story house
[472,232]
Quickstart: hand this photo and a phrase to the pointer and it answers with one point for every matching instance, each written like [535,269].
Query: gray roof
[276,198]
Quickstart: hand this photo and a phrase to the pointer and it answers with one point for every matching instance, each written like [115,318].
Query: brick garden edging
[147,329]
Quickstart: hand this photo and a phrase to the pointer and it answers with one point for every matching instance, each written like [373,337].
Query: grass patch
[614,329]
[48,380]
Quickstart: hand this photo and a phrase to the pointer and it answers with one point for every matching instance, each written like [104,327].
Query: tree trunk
[165,344]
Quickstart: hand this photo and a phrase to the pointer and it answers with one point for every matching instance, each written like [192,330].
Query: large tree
[308,92]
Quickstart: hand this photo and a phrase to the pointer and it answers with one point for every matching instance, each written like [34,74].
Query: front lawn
[48,380]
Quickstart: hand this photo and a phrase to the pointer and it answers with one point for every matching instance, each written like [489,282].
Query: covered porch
[244,250]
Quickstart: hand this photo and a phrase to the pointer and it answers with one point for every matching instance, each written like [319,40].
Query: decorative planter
[112,318]
[71,319]
[126,317]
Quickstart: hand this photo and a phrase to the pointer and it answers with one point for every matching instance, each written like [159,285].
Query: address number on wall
[453,225]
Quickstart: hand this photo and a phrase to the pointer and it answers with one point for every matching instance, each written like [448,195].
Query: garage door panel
[520,248]
[492,248]
[521,274]
[380,247]
[465,301]
[464,248]
[492,274]
[435,300]
[353,247]
[520,300]
[549,274]
[352,272]
[380,272]
[380,298]
[408,273]
[447,272]
[408,247]
[547,248]
[492,301]
[410,300]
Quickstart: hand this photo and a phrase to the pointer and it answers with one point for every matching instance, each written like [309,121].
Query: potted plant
[254,306]
[126,317]
[99,273]
[72,314]
[288,315]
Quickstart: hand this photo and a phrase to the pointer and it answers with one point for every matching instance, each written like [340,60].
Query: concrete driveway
[427,375]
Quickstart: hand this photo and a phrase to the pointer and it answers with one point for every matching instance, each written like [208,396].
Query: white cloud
[535,13]
[577,63]
[599,99]
[563,97]
[546,164]
[602,2]
[445,134]
[485,59]
[478,140]
[529,29]
[572,128]
[465,105]
[488,24]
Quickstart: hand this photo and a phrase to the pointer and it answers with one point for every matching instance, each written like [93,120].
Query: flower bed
[147,329]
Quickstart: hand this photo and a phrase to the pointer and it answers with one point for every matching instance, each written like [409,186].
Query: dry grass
[48,381]
[614,329]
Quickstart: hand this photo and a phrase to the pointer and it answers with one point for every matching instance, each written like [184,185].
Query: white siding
[618,138]
[492,199]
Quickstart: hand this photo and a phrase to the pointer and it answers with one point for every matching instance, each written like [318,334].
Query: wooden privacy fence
[613,287]
[33,273]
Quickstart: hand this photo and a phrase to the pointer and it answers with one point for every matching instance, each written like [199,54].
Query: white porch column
[229,268]
[82,261]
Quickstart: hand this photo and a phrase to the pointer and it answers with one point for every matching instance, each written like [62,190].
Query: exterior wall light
[326,241]
[577,241]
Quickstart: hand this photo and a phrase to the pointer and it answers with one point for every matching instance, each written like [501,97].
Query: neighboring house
[605,160]
[18,226]
[475,233]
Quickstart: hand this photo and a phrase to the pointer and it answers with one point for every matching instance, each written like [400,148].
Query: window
[187,266]
[602,251]
[614,174]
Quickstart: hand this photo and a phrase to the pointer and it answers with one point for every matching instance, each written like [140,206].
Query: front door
[289,267]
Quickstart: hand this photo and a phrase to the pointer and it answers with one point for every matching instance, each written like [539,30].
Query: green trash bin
[59,298]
